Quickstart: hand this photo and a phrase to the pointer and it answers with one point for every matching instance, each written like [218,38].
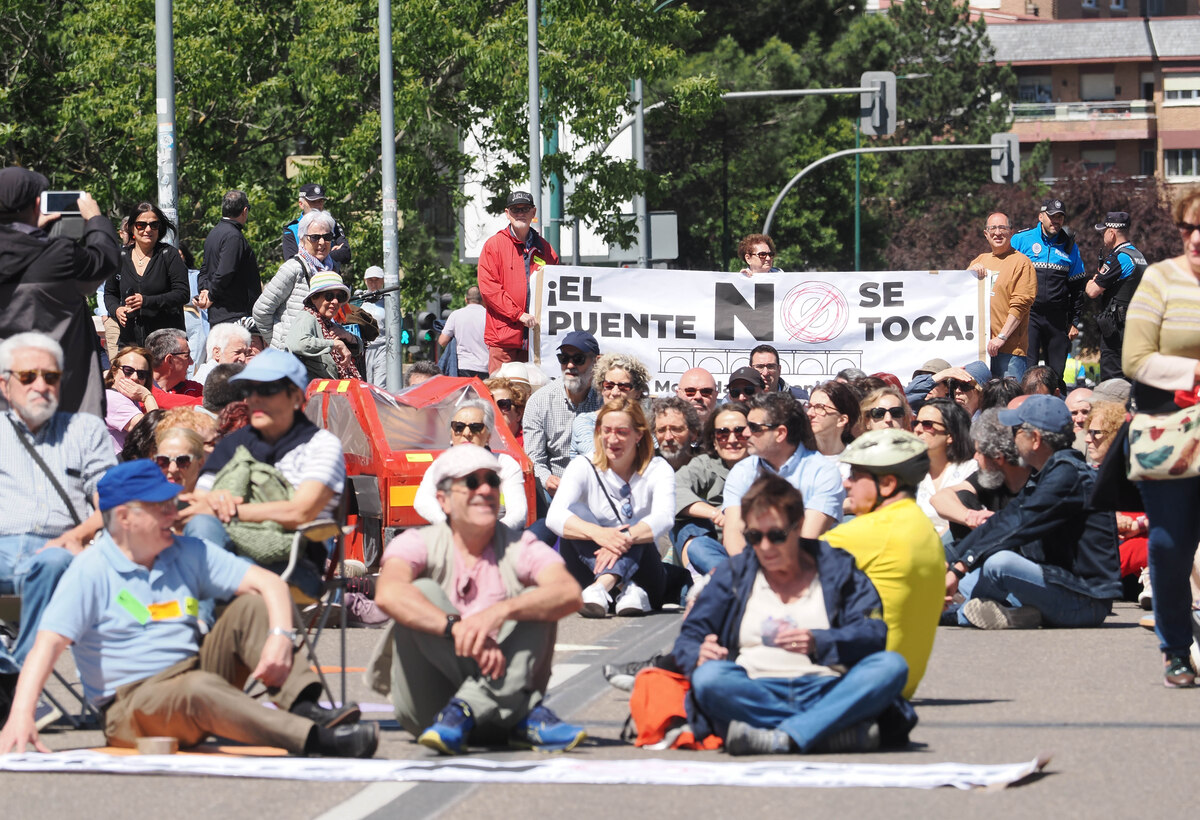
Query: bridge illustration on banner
[676,360]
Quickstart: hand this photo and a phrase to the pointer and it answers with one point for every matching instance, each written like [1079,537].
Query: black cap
[748,375]
[519,198]
[1053,206]
[1114,219]
[19,187]
[311,191]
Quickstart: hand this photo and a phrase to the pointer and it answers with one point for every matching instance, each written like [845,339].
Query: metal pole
[535,113]
[164,52]
[857,200]
[850,152]
[639,154]
[391,261]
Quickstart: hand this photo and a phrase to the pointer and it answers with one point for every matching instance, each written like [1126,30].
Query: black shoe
[8,687]
[357,740]
[345,714]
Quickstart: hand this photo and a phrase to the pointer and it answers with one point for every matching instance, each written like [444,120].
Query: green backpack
[267,542]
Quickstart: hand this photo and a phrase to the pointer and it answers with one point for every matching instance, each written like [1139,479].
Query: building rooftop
[1177,37]
[1080,40]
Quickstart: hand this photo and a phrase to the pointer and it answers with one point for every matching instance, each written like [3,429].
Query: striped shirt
[549,417]
[77,449]
[1162,328]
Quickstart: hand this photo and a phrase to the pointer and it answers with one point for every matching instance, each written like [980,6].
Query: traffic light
[1006,158]
[408,330]
[442,304]
[877,110]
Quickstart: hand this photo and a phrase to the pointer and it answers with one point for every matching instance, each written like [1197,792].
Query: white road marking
[560,673]
[579,647]
[368,801]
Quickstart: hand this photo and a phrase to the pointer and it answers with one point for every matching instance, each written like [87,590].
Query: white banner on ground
[673,320]
[558,770]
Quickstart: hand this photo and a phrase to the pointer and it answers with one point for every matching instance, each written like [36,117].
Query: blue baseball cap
[979,371]
[581,340]
[139,480]
[1047,413]
[272,365]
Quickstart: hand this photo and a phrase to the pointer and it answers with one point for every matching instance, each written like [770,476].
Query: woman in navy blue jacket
[785,646]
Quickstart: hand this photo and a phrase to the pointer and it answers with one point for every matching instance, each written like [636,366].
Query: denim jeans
[33,575]
[1173,509]
[808,708]
[1014,580]
[705,552]
[1006,364]
[641,565]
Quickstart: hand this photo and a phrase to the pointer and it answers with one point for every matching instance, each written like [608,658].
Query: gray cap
[1115,390]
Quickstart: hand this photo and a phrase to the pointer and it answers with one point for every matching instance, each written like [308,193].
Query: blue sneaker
[449,733]
[542,731]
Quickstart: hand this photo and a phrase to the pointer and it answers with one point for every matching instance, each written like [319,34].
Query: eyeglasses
[518,210]
[182,462]
[147,226]
[767,367]
[130,372]
[764,254]
[1095,434]
[1017,428]
[726,432]
[877,413]
[27,377]
[928,425]
[576,359]
[504,404]
[706,392]
[624,387]
[185,354]
[822,409]
[672,429]
[626,501]
[265,389]
[996,229]
[756,428]
[774,535]
[473,481]
[743,391]
[318,237]
[476,427]
[1187,228]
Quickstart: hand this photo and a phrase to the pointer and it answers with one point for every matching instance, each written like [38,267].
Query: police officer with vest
[1119,275]
[1054,319]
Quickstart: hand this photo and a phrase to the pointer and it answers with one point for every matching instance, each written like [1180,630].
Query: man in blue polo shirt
[129,607]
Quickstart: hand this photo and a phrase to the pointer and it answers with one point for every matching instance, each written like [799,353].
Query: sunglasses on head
[147,226]
[476,427]
[726,432]
[706,392]
[774,535]
[264,388]
[504,404]
[878,413]
[182,462]
[576,359]
[318,237]
[130,372]
[473,481]
[50,377]
[624,387]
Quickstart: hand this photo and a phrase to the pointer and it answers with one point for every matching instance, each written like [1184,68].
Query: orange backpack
[657,718]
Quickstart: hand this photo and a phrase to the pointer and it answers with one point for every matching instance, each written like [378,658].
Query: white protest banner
[673,320]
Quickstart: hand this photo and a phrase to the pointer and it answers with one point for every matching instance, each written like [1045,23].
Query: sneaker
[633,600]
[451,729]
[362,611]
[1146,621]
[353,569]
[744,739]
[863,737]
[1146,596]
[45,713]
[596,601]
[621,675]
[985,614]
[1178,672]
[542,731]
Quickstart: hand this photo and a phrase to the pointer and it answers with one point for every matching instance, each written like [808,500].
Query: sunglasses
[706,392]
[50,377]
[504,404]
[1096,434]
[576,359]
[626,501]
[878,413]
[265,389]
[757,428]
[476,427]
[1187,227]
[318,237]
[520,209]
[726,432]
[928,425]
[147,226]
[624,387]
[774,535]
[955,386]
[182,462]
[473,481]
[331,296]
[130,372]
[742,391]
[764,255]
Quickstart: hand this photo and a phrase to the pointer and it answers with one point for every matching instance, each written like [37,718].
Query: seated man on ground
[894,542]
[676,426]
[128,608]
[1045,559]
[477,607]
[47,515]
[785,646]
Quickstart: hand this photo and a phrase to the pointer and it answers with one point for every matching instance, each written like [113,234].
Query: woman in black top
[150,289]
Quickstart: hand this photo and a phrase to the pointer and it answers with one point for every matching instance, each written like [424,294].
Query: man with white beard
[50,463]
[676,429]
[551,411]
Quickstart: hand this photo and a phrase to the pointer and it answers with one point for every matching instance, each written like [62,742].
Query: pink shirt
[478,587]
[121,409]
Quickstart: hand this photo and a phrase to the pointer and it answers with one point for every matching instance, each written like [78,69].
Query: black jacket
[289,243]
[164,288]
[229,273]
[44,285]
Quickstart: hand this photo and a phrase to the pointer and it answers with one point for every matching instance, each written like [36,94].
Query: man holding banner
[1014,289]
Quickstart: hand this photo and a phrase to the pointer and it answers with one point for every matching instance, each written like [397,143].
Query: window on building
[1181,162]
[1155,8]
[1089,4]
[1118,5]
[1146,166]
[1098,159]
[1035,88]
[1097,86]
[1182,88]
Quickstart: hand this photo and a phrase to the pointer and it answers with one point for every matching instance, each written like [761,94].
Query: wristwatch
[290,634]
[451,620]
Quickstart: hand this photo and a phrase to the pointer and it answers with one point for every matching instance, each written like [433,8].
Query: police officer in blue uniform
[1119,275]
[1055,317]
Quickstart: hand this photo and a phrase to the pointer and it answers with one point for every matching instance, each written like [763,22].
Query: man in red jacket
[504,267]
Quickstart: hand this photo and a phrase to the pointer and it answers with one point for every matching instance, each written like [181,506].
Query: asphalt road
[1092,699]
